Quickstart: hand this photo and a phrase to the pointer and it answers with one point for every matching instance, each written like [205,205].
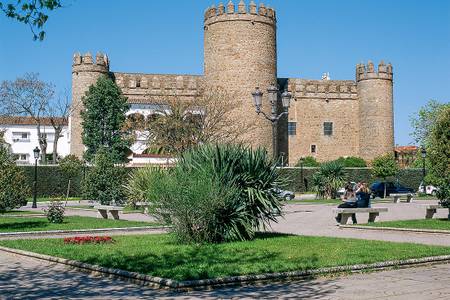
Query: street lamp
[272,93]
[36,157]
[302,160]
[424,156]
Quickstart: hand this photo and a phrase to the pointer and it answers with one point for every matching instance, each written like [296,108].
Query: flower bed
[88,240]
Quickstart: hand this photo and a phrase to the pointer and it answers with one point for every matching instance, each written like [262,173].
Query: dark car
[391,188]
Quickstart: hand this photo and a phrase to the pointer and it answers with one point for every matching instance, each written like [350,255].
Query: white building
[21,134]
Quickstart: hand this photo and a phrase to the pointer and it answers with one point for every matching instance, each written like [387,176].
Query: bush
[308,161]
[139,184]
[55,212]
[329,179]
[104,181]
[352,162]
[13,185]
[71,167]
[218,193]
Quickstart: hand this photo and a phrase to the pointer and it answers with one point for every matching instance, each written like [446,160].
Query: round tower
[240,55]
[376,112]
[85,72]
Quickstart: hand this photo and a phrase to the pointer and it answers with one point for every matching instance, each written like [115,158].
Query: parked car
[429,189]
[391,188]
[341,191]
[287,195]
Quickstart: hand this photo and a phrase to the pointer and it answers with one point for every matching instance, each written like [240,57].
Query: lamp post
[424,156]
[273,93]
[36,157]
[301,172]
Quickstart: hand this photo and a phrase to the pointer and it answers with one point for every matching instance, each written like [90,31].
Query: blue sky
[313,37]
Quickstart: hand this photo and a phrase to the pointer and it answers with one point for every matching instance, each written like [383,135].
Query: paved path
[29,278]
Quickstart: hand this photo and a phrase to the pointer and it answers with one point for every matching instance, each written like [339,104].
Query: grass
[160,255]
[21,212]
[126,209]
[70,223]
[437,224]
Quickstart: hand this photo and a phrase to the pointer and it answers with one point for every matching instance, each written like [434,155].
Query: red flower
[88,239]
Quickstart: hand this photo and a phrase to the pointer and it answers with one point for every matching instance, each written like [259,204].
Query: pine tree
[103,119]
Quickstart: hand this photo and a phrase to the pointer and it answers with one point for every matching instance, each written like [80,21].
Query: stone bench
[347,213]
[104,209]
[145,205]
[432,209]
[409,197]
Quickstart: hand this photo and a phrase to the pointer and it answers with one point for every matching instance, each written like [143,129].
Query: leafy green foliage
[308,161]
[13,185]
[55,212]
[103,120]
[104,181]
[31,12]
[329,178]
[71,167]
[218,193]
[384,166]
[352,162]
[139,184]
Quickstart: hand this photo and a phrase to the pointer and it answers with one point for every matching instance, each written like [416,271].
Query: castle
[328,119]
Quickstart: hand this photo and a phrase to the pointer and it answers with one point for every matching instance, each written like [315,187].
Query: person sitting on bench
[362,195]
[349,199]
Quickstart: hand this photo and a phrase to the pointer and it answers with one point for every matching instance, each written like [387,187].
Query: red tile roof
[21,120]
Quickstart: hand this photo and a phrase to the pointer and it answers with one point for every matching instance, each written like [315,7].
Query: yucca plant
[329,178]
[138,184]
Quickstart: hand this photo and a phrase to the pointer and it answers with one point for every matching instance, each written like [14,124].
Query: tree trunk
[42,145]
[55,143]
[384,189]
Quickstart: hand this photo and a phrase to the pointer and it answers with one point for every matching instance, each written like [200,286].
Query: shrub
[308,161]
[329,179]
[104,181]
[352,162]
[13,185]
[139,184]
[218,193]
[55,212]
[71,167]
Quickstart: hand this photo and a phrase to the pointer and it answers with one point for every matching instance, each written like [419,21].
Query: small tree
[329,179]
[104,181]
[71,167]
[383,167]
[13,185]
[308,161]
[103,120]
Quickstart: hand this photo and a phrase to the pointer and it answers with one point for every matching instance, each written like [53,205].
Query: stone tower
[85,73]
[240,54]
[376,112]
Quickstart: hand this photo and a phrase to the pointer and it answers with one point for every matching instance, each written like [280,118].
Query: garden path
[30,278]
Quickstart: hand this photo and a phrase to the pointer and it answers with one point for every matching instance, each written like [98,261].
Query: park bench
[113,210]
[347,213]
[431,210]
[145,205]
[409,197]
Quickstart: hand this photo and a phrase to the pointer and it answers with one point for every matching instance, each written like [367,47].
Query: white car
[429,189]
[341,191]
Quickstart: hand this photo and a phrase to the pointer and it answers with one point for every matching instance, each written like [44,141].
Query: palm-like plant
[329,178]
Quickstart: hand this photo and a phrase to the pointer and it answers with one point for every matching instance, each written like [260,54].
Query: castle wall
[319,101]
[240,55]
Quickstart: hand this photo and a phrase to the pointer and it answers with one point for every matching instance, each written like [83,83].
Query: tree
[13,185]
[71,167]
[180,124]
[58,113]
[31,12]
[384,166]
[308,161]
[103,120]
[439,155]
[28,96]
[352,162]
[423,121]
[329,179]
[104,181]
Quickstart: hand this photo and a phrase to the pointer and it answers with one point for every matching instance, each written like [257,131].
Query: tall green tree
[383,167]
[423,121]
[33,13]
[103,120]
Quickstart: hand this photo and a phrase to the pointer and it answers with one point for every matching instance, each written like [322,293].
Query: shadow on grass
[23,226]
[270,235]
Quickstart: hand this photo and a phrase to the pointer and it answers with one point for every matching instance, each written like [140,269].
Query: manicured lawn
[22,212]
[75,222]
[440,224]
[160,255]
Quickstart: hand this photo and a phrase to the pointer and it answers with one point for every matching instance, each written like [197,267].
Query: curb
[160,282]
[56,232]
[416,230]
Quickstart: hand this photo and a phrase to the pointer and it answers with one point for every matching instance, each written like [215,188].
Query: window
[138,83]
[49,137]
[21,136]
[21,157]
[328,128]
[292,128]
[313,148]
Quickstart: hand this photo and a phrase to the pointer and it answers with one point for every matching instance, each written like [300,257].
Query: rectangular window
[21,136]
[21,157]
[328,128]
[313,148]
[292,128]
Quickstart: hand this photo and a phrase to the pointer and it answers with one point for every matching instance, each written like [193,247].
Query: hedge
[406,177]
[53,182]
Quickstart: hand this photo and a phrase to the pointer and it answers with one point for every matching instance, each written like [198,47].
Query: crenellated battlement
[242,12]
[364,72]
[86,63]
[323,89]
